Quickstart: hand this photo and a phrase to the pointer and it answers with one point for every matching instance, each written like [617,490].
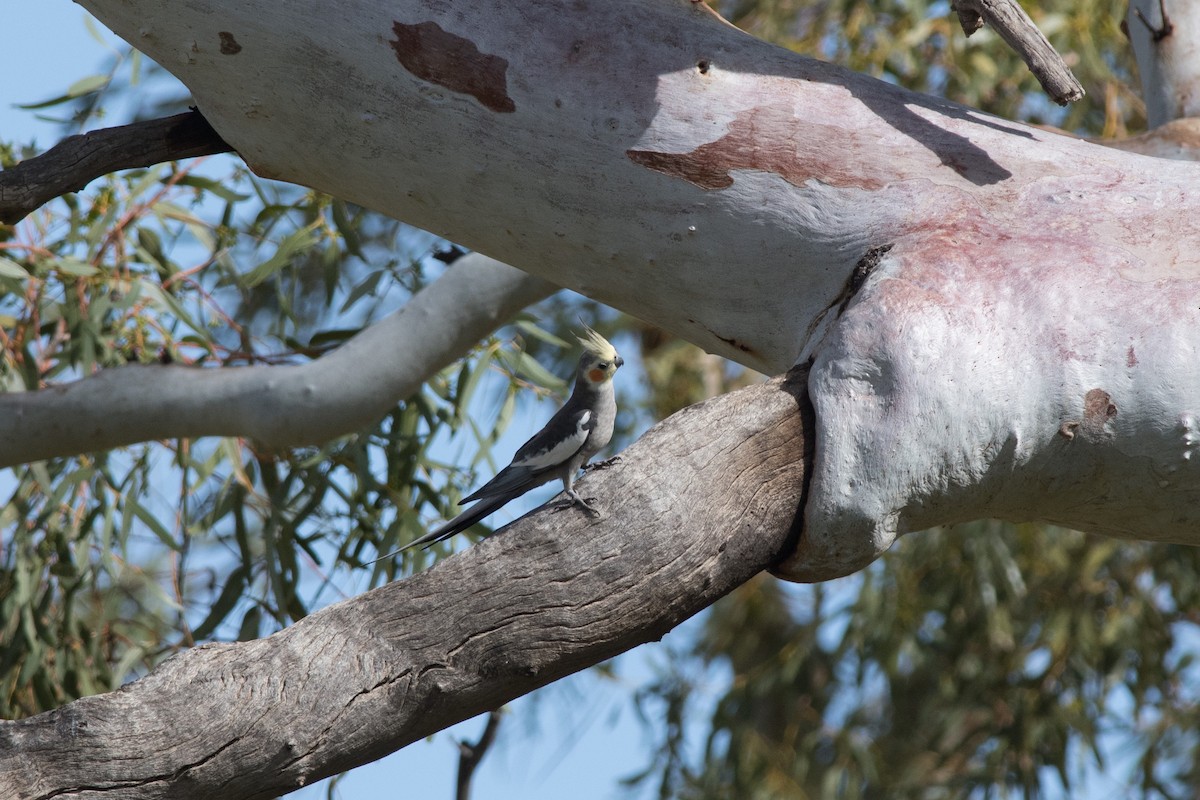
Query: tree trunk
[699,505]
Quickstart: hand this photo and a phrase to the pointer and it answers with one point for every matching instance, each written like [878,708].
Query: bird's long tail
[457,525]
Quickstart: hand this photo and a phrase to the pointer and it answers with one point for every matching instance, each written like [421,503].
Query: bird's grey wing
[535,463]
[564,436]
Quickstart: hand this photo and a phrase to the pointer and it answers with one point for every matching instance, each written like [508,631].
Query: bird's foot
[589,510]
[576,500]
[605,464]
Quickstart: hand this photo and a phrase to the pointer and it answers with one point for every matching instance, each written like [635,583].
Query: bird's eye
[602,365]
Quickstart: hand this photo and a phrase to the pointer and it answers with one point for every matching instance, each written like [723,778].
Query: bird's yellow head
[600,359]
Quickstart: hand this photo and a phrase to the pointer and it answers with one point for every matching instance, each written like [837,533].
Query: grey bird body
[577,431]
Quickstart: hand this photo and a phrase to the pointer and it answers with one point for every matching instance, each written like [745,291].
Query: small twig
[1015,27]
[469,755]
[1157,32]
[77,160]
[136,210]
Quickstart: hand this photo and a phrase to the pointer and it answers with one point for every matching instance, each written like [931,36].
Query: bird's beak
[620,362]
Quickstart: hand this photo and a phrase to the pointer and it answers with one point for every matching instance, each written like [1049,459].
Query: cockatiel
[579,430]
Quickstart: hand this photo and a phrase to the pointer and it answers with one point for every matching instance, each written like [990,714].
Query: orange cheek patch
[596,375]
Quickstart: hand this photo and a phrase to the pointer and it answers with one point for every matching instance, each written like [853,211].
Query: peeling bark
[434,55]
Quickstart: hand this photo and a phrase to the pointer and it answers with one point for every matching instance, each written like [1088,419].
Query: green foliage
[76,616]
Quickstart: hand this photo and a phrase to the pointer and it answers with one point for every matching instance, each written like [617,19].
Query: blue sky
[583,737]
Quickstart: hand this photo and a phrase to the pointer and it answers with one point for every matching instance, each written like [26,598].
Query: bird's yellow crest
[597,345]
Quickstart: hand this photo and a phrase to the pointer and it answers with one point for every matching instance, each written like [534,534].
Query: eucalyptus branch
[278,406]
[77,160]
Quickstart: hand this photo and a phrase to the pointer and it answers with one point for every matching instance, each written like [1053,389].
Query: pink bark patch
[437,56]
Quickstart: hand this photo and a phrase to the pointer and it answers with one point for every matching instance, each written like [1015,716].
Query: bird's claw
[605,464]
[587,506]
[573,499]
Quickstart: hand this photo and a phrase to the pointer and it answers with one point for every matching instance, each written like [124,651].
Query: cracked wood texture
[700,504]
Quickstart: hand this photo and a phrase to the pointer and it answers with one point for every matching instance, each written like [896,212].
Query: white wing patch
[561,450]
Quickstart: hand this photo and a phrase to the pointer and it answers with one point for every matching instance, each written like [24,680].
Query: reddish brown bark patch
[766,140]
[451,61]
[229,45]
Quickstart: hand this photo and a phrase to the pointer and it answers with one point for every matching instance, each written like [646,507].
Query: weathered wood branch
[277,406]
[697,506]
[1014,26]
[77,160]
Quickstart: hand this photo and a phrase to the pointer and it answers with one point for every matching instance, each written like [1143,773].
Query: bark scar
[857,278]
[1098,409]
[437,56]
[229,45]
[729,340]
[1157,32]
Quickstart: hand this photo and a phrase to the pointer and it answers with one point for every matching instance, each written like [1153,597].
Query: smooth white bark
[1051,378]
[277,406]
[649,155]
